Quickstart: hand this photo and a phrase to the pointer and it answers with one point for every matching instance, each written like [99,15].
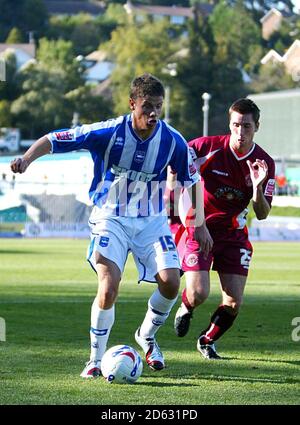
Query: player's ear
[131,104]
[257,125]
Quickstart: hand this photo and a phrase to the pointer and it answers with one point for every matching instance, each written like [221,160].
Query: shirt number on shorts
[245,258]
[167,243]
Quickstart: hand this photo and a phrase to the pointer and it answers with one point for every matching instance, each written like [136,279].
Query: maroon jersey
[227,184]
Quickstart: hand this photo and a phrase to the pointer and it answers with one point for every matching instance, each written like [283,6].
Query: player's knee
[107,297]
[169,283]
[171,288]
[199,295]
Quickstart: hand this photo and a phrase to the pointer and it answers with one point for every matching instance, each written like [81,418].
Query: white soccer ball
[121,364]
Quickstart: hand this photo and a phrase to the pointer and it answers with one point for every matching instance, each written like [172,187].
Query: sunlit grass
[46,290]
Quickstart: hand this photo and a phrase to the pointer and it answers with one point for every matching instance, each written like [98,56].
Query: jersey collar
[137,138]
[240,158]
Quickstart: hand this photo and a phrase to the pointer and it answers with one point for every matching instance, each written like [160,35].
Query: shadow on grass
[292,362]
[22,252]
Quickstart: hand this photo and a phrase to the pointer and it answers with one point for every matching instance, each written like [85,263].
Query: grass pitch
[46,291]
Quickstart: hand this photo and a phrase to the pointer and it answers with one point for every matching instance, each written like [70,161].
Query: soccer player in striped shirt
[234,170]
[131,154]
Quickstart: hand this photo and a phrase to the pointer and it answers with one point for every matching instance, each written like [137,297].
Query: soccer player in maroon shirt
[234,170]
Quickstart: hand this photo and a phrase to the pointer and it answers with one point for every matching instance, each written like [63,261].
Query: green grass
[46,290]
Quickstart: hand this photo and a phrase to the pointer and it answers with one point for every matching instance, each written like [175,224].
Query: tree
[258,8]
[234,32]
[90,107]
[272,77]
[43,104]
[135,50]
[14,36]
[10,89]
[58,56]
[193,79]
[6,119]
[52,90]
[26,15]
[282,39]
[83,30]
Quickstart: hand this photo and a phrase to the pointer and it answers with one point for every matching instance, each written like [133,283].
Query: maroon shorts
[231,253]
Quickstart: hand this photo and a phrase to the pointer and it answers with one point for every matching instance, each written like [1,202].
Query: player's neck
[143,134]
[241,151]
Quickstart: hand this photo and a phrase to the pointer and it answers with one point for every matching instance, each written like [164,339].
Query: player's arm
[258,174]
[201,234]
[39,148]
[171,179]
[195,216]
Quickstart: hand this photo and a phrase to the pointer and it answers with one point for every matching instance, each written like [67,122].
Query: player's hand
[258,171]
[202,236]
[19,165]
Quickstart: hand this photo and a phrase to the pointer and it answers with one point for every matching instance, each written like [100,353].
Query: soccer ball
[121,364]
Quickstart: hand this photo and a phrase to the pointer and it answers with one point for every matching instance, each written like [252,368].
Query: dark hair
[146,85]
[245,106]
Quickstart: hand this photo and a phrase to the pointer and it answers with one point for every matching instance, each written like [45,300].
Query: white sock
[159,309]
[101,323]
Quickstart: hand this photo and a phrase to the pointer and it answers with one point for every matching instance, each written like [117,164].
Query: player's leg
[231,261]
[157,260]
[195,293]
[159,307]
[102,313]
[107,255]
[196,269]
[232,287]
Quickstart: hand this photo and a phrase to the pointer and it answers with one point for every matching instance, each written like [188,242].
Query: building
[271,22]
[66,7]
[279,132]
[175,14]
[279,127]
[98,68]
[291,59]
[24,52]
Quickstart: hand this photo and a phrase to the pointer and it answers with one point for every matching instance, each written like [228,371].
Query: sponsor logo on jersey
[221,173]
[64,135]
[119,141]
[192,153]
[270,187]
[132,174]
[192,260]
[229,193]
[139,156]
[104,241]
[192,169]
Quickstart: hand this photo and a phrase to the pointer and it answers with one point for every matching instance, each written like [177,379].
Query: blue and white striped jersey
[129,173]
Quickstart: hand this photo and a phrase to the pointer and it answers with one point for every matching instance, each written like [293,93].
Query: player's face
[146,112]
[243,128]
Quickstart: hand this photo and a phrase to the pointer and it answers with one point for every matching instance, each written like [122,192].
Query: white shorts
[148,238]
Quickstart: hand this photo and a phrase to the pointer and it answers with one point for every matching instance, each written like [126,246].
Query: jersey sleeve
[89,136]
[269,184]
[197,147]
